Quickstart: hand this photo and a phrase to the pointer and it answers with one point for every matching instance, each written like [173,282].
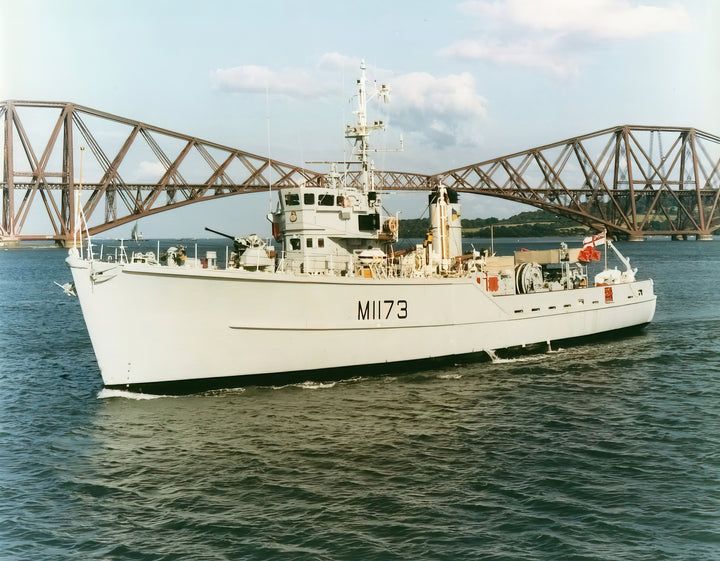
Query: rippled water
[606,450]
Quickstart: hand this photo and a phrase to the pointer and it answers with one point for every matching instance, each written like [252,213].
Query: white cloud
[260,79]
[151,171]
[336,61]
[444,110]
[441,110]
[453,95]
[543,53]
[603,19]
[550,35]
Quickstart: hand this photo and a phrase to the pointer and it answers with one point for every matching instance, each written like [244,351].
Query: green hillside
[538,223]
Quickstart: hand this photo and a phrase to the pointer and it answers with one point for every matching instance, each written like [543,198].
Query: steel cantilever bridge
[633,181]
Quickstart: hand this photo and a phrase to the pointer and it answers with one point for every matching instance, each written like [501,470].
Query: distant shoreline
[533,224]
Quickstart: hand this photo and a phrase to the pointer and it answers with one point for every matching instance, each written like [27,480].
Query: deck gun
[240,244]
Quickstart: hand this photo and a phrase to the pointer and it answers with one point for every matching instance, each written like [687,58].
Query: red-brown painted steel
[619,185]
[611,179]
[124,201]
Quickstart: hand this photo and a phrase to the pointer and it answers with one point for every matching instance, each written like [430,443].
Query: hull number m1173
[382,309]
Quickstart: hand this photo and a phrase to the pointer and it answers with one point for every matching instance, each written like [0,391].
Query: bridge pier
[636,238]
[9,241]
[698,237]
[14,241]
[67,243]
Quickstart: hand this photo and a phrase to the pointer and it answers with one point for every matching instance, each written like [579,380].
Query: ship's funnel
[445,224]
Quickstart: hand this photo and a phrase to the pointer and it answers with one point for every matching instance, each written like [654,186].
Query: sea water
[608,449]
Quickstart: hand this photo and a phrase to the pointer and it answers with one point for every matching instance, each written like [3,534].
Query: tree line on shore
[538,223]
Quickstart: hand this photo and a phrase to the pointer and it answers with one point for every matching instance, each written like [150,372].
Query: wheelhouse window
[326,200]
[309,198]
[321,242]
[292,199]
[295,243]
[308,242]
[369,222]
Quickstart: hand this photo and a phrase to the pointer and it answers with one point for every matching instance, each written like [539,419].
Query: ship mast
[360,132]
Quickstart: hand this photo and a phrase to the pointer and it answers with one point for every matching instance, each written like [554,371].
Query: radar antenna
[360,132]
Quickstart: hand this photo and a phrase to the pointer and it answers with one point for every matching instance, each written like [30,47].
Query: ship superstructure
[333,292]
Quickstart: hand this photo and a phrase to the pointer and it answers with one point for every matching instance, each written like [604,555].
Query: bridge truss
[632,181]
[168,170]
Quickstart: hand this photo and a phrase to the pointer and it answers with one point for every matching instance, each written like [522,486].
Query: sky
[470,80]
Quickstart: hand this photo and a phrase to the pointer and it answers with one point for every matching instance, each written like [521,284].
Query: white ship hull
[334,293]
[162,328]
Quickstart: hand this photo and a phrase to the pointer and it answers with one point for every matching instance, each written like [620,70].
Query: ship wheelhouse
[326,229]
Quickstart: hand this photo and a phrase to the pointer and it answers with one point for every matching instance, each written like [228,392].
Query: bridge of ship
[634,181]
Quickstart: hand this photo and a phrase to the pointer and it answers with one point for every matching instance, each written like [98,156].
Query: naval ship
[333,293]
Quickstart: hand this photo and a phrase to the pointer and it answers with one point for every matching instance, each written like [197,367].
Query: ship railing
[122,257]
[80,225]
[376,269]
[332,265]
[281,263]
